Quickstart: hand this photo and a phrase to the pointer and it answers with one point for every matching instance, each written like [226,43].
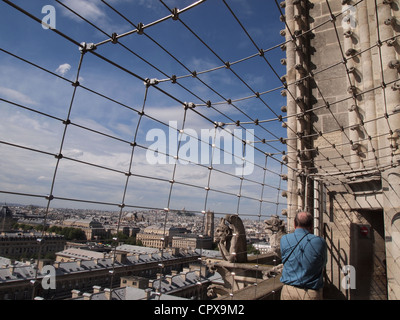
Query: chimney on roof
[11,268]
[87,296]
[197,272]
[41,263]
[75,293]
[183,275]
[168,277]
[96,289]
[121,257]
[148,293]
[107,293]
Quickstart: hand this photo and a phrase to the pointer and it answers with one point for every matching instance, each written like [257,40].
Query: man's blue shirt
[305,266]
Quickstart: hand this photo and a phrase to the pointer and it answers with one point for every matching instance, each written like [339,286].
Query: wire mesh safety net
[164,106]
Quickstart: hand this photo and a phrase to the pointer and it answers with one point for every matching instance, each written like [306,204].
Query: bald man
[304,257]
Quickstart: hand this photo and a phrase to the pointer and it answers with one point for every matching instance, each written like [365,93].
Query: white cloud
[63,69]
[74,153]
[16,96]
[94,11]
[88,9]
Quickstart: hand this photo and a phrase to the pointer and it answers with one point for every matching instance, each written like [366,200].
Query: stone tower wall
[343,113]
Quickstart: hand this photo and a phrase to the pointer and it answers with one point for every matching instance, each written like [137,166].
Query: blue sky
[30,172]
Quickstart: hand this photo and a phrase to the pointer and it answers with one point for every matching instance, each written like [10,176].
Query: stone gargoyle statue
[231,238]
[275,228]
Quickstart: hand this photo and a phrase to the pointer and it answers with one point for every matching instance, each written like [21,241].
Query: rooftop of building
[136,249]
[169,285]
[28,235]
[14,271]
[77,253]
[88,222]
[161,229]
[127,293]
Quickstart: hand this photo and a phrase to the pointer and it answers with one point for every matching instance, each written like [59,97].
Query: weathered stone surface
[231,238]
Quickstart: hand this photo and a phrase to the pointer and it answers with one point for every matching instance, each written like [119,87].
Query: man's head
[303,220]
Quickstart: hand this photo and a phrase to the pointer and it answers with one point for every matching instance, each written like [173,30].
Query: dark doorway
[368,257]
